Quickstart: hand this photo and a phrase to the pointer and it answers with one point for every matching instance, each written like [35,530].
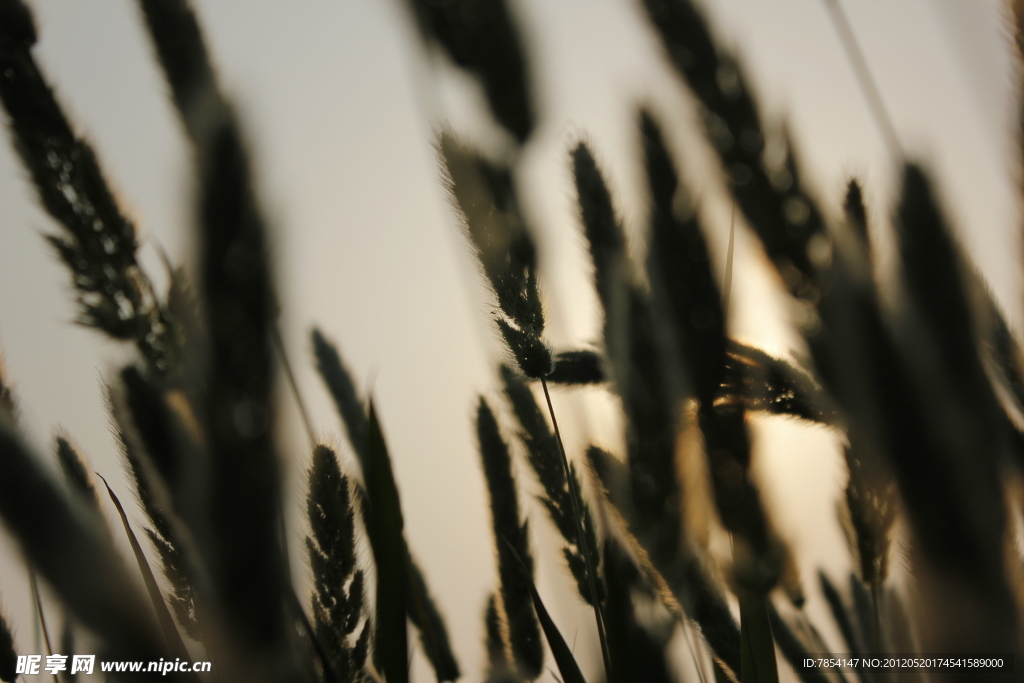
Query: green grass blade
[757,648]
[384,527]
[172,638]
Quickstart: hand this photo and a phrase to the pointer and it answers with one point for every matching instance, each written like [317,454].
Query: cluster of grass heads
[921,390]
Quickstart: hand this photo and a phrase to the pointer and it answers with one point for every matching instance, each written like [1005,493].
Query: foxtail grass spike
[343,391]
[586,541]
[75,471]
[241,542]
[932,268]
[181,50]
[182,597]
[684,286]
[770,195]
[486,198]
[165,534]
[576,368]
[872,502]
[246,557]
[684,575]
[545,459]
[635,351]
[151,417]
[957,507]
[607,251]
[384,527]
[98,243]
[681,273]
[481,37]
[512,540]
[243,547]
[8,655]
[338,586]
[935,279]
[422,610]
[498,667]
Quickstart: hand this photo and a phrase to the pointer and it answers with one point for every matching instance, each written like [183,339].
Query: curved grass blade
[71,550]
[567,665]
[172,638]
[384,527]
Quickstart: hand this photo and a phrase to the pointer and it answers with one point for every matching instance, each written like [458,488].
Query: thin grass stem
[278,341]
[863,73]
[42,617]
[727,285]
[693,653]
[591,570]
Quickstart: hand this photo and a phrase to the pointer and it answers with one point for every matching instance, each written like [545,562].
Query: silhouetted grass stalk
[578,517]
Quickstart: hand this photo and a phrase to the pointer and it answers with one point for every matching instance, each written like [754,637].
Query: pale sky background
[340,101]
